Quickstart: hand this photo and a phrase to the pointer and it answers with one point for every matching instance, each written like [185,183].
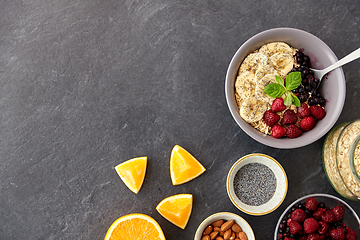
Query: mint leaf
[293,80]
[279,80]
[287,99]
[295,100]
[274,90]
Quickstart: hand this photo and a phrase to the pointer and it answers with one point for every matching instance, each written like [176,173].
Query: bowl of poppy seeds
[257,184]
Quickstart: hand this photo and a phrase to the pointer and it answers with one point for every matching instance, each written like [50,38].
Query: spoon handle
[352,56]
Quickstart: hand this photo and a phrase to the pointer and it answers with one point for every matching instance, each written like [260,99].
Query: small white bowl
[281,184]
[332,87]
[225,216]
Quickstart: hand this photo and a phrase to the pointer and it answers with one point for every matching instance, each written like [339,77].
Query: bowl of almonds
[224,226]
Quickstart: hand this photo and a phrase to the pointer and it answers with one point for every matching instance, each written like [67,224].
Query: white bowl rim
[228,215]
[274,205]
[266,139]
[313,195]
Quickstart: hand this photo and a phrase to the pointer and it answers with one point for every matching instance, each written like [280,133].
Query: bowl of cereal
[272,93]
[226,225]
[318,216]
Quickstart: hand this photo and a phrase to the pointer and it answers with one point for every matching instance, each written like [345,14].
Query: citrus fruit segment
[183,166]
[133,227]
[132,172]
[176,209]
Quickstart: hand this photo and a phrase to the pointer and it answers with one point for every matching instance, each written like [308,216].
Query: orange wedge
[134,227]
[183,166]
[176,209]
[132,172]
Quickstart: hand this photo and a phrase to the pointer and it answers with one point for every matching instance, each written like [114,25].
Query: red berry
[318,213]
[307,123]
[317,111]
[278,131]
[323,227]
[311,204]
[350,234]
[293,131]
[288,238]
[337,234]
[310,225]
[303,111]
[298,215]
[270,118]
[339,212]
[328,216]
[314,236]
[278,105]
[295,227]
[289,117]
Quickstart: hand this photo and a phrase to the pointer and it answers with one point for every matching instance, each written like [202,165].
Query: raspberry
[278,105]
[298,215]
[288,238]
[350,234]
[323,227]
[337,234]
[314,236]
[328,216]
[289,221]
[293,131]
[307,123]
[289,117]
[318,213]
[294,227]
[310,225]
[311,204]
[270,118]
[339,212]
[278,131]
[303,111]
[317,111]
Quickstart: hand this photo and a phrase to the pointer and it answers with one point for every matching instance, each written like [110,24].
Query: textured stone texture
[86,85]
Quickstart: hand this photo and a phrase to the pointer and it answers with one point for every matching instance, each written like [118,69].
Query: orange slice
[183,166]
[132,172]
[176,209]
[133,227]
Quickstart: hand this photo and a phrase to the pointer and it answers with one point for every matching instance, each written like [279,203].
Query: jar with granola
[341,156]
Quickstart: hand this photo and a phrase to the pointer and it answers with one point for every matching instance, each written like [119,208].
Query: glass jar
[341,156]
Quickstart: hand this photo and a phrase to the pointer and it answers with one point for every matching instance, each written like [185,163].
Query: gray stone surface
[86,85]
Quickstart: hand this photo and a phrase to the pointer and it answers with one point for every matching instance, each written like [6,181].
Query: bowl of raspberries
[318,217]
[272,93]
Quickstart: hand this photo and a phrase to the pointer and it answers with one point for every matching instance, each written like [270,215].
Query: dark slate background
[86,85]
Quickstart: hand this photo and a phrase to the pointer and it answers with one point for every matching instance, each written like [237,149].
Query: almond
[233,236]
[227,225]
[218,223]
[219,238]
[242,236]
[213,235]
[206,237]
[217,229]
[208,230]
[236,228]
[227,234]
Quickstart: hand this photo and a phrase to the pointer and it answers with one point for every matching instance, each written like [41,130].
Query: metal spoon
[319,74]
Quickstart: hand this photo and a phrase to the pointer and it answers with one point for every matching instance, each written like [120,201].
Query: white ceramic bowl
[281,184]
[225,216]
[351,219]
[333,87]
